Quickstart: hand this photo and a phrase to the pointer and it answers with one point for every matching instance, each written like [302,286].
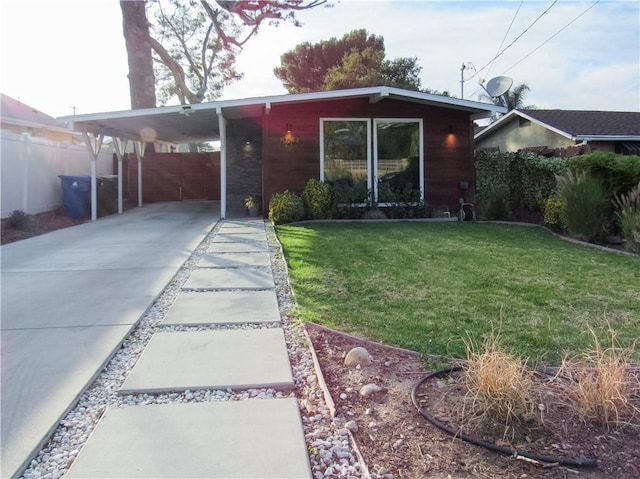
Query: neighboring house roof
[17,114]
[577,125]
[189,123]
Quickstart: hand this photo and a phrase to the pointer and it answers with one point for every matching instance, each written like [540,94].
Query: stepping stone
[244,237]
[229,278]
[234,260]
[223,307]
[234,439]
[237,247]
[214,359]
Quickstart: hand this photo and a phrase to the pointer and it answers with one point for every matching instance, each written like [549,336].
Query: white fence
[29,169]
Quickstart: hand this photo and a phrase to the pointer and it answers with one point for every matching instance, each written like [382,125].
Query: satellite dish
[498,86]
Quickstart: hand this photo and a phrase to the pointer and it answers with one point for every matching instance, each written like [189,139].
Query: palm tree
[512,99]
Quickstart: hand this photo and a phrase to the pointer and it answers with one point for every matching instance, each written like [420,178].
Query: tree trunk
[142,81]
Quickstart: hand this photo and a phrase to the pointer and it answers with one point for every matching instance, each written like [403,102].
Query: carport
[163,125]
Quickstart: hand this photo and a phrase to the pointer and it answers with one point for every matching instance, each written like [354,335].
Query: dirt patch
[397,441]
[38,224]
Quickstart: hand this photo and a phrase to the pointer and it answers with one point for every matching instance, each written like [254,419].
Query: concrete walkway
[69,298]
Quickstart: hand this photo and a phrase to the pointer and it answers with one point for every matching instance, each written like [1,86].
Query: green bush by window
[317,198]
[285,207]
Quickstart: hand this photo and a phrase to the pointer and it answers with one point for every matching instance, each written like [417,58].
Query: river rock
[358,357]
[369,389]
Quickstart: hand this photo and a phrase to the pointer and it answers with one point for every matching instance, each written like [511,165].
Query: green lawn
[431,287]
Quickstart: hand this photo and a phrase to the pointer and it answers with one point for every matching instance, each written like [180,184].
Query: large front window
[385,164]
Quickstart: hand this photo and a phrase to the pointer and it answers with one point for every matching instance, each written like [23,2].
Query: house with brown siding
[376,138]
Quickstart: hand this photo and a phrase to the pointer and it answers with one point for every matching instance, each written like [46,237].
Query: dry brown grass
[599,382]
[499,386]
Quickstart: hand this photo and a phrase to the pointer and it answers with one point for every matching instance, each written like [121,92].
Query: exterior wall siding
[448,145]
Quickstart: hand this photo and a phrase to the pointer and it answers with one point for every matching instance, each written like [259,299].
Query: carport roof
[200,122]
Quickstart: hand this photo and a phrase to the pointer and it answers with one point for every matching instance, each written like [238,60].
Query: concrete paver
[227,236]
[236,439]
[234,260]
[223,307]
[231,247]
[213,359]
[230,278]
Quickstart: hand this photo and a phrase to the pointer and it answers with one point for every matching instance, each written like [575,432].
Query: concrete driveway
[68,300]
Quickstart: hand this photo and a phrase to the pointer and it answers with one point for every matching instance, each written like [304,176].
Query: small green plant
[599,383]
[585,206]
[553,213]
[251,202]
[628,214]
[285,207]
[18,219]
[318,199]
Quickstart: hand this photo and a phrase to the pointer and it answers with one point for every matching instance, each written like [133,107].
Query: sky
[68,56]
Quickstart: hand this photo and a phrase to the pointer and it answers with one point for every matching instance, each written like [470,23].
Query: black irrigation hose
[578,462]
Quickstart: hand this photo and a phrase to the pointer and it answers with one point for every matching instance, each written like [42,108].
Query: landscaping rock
[358,356]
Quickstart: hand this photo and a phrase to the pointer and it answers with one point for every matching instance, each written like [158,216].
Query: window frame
[372,149]
[374,173]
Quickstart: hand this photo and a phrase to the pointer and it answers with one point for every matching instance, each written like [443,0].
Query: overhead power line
[550,38]
[514,40]
[507,33]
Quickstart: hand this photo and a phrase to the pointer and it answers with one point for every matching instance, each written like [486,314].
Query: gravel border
[331,455]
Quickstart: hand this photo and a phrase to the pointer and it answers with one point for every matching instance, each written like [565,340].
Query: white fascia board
[509,116]
[607,137]
[496,125]
[285,98]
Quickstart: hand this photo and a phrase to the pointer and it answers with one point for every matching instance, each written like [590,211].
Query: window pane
[345,156]
[398,153]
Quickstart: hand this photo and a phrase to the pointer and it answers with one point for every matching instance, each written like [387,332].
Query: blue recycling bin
[76,194]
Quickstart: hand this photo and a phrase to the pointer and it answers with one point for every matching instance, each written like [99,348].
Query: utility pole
[464,67]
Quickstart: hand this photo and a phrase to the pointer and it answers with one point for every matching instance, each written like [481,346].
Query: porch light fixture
[288,139]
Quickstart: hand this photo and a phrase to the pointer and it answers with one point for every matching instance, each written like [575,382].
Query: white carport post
[139,147]
[120,146]
[222,128]
[93,145]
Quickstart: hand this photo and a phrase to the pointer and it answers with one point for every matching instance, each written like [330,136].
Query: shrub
[18,219]
[618,173]
[628,214]
[374,214]
[553,213]
[500,386]
[599,382]
[346,197]
[318,200]
[585,206]
[286,207]
[495,203]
